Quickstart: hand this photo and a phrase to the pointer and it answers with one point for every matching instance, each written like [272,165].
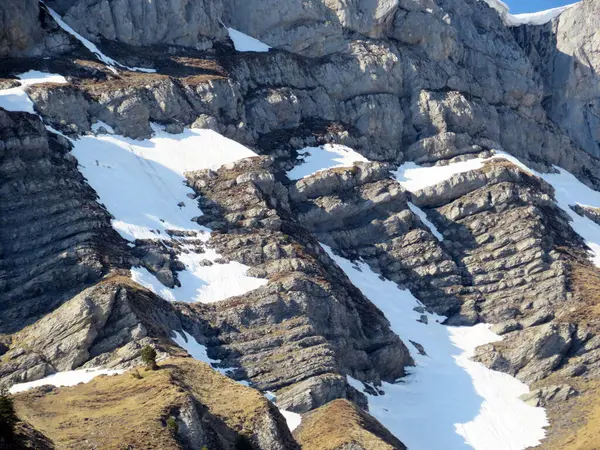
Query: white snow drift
[413,177]
[16,99]
[142,185]
[69,378]
[329,156]
[447,401]
[244,43]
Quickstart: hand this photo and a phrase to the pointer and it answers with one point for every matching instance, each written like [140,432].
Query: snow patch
[293,419]
[413,177]
[244,43]
[329,156]
[446,401]
[419,212]
[36,77]
[91,46]
[569,191]
[69,378]
[16,99]
[142,184]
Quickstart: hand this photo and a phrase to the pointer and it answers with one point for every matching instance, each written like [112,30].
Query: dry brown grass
[341,423]
[238,406]
[585,285]
[120,411]
[107,413]
[576,423]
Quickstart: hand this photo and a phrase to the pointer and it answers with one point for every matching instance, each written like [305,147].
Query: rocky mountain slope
[379,215]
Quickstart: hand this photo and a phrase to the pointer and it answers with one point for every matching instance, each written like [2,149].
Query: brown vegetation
[114,412]
[341,423]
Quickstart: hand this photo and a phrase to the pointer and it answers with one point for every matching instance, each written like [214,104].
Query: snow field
[318,159]
[142,184]
[447,401]
[16,99]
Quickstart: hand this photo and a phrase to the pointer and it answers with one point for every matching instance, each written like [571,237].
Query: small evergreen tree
[172,424]
[8,418]
[149,357]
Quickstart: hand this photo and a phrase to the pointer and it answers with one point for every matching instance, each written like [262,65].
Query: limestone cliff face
[565,53]
[429,82]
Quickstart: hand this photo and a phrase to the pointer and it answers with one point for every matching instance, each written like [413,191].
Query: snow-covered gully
[142,184]
[110,63]
[448,400]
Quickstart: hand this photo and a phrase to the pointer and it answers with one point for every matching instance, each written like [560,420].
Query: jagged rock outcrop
[104,326]
[309,325]
[364,214]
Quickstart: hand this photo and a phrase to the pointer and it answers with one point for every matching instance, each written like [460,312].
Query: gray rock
[542,397]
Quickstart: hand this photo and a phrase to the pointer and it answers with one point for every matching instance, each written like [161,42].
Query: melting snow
[16,99]
[37,77]
[419,212]
[193,347]
[142,184]
[70,378]
[99,124]
[91,46]
[198,352]
[447,401]
[244,43]
[329,156]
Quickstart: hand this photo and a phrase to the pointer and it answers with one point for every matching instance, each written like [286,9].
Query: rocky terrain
[319,212]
